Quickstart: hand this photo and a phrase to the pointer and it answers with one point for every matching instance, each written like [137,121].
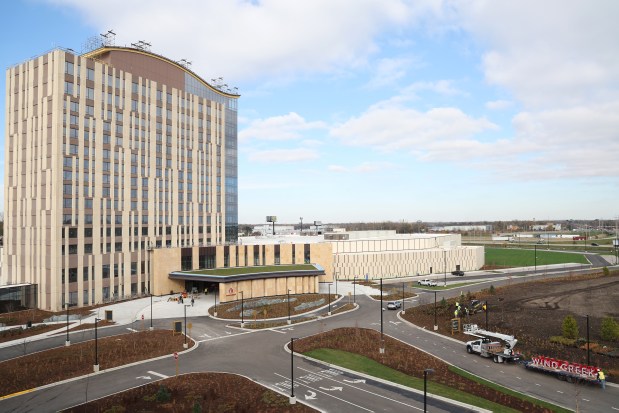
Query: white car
[428,283]
[394,305]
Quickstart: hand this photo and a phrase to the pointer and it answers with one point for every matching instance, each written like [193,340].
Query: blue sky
[363,110]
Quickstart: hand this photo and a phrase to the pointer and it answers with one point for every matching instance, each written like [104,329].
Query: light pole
[588,345]
[336,274]
[185,308]
[486,309]
[242,310]
[382,341]
[96,366]
[151,311]
[301,232]
[425,387]
[289,307]
[216,294]
[403,310]
[435,325]
[329,312]
[445,266]
[535,257]
[67,342]
[354,291]
[293,399]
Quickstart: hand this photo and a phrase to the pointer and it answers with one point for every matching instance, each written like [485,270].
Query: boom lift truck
[500,347]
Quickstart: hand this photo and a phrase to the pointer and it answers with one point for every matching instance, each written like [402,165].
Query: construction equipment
[501,351]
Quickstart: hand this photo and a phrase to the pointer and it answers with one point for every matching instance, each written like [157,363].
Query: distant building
[462,228]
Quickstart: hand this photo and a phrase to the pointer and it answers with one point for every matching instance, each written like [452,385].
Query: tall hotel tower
[110,155]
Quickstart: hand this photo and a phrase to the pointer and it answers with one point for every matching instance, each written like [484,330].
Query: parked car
[394,305]
[458,272]
[428,283]
[595,244]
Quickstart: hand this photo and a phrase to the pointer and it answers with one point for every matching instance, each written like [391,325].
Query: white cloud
[278,128]
[548,54]
[443,87]
[389,71]
[498,104]
[395,128]
[284,155]
[246,39]
[365,167]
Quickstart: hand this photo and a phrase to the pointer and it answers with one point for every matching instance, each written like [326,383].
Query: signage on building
[271,218]
[230,291]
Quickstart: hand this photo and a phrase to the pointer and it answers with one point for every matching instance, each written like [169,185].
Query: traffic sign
[142,316]
[175,355]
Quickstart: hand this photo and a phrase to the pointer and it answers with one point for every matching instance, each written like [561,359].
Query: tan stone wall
[321,253]
[165,261]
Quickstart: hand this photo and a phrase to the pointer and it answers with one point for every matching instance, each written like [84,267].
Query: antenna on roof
[185,63]
[109,38]
[142,45]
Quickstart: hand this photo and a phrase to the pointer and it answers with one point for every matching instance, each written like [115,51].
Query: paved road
[261,356]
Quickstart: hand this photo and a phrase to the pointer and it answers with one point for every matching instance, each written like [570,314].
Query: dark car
[457,272]
[595,244]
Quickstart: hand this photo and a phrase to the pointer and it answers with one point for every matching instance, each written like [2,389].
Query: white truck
[499,347]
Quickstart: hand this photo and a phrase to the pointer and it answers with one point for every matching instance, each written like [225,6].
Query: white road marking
[144,377]
[333,388]
[330,395]
[501,371]
[276,331]
[587,400]
[367,391]
[614,408]
[518,378]
[537,384]
[131,329]
[154,373]
[355,381]
[312,395]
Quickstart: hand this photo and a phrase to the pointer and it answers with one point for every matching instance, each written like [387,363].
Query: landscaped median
[358,349]
[62,363]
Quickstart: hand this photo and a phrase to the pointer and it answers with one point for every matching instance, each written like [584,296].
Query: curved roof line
[94,53]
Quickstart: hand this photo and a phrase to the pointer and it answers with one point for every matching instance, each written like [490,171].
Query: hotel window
[90,74]
[90,93]
[68,88]
[68,68]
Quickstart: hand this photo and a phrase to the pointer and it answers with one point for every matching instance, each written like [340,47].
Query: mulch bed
[196,392]
[533,327]
[62,363]
[272,310]
[406,359]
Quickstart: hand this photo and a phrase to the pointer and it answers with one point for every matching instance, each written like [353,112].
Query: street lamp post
[588,345]
[96,366]
[216,294]
[293,399]
[242,310]
[329,312]
[185,308]
[67,342]
[425,387]
[445,266]
[301,232]
[486,307]
[336,274]
[289,307]
[382,341]
[403,310]
[354,291]
[435,324]
[151,311]
[535,257]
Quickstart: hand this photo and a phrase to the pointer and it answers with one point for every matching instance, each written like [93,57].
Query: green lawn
[526,258]
[364,365]
[222,272]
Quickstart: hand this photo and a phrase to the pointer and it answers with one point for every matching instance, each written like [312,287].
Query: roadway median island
[196,392]
[358,349]
[533,312]
[61,363]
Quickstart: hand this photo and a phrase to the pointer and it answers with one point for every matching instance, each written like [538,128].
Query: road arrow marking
[143,377]
[312,395]
[333,388]
[163,376]
[130,329]
[355,381]
[395,322]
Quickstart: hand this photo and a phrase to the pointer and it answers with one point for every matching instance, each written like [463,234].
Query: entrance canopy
[226,275]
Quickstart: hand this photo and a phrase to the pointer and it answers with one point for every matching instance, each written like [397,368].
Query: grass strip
[365,365]
[526,258]
[510,392]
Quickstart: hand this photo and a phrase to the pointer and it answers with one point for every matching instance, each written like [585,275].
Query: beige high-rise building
[108,155]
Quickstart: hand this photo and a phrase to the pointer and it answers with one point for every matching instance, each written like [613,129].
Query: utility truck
[499,347]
